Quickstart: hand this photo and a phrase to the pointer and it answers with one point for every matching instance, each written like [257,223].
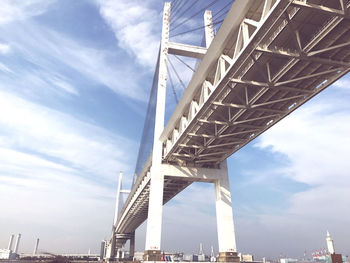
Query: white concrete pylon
[10,242]
[17,243]
[155,207]
[224,217]
[117,202]
[208,28]
[36,247]
[132,246]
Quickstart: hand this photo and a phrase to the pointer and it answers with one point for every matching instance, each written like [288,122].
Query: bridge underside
[139,210]
[299,50]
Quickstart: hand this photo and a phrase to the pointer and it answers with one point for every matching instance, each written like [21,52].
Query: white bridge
[268,58]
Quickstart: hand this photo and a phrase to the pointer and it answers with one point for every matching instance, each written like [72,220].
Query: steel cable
[198,12]
[177,75]
[172,86]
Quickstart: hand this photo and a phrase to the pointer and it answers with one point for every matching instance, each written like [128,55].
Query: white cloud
[56,172]
[5,69]
[64,86]
[343,84]
[12,10]
[4,48]
[316,140]
[135,26]
[83,146]
[57,51]
[40,198]
[192,211]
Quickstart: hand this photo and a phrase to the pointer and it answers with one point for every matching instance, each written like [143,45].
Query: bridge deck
[284,60]
[259,68]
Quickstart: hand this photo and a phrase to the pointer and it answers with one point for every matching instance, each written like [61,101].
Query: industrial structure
[35,251]
[9,253]
[268,58]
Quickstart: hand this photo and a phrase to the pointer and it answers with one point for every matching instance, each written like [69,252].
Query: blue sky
[74,83]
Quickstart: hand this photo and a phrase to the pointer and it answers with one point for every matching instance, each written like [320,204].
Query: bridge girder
[276,65]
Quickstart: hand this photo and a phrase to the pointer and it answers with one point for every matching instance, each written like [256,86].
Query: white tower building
[330,244]
[212,256]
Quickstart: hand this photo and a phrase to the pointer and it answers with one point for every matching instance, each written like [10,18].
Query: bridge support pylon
[155,206]
[224,218]
[226,235]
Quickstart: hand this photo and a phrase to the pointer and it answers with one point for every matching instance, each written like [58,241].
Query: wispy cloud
[56,170]
[12,10]
[136,28]
[5,69]
[44,64]
[51,134]
[53,202]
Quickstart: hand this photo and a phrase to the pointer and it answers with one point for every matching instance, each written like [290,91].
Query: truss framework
[284,54]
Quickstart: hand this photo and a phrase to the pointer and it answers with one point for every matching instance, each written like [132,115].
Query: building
[103,249]
[246,257]
[288,260]
[330,244]
[5,253]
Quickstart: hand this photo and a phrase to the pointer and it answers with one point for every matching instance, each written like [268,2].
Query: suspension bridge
[267,58]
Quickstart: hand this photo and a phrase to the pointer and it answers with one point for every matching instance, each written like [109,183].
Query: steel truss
[279,56]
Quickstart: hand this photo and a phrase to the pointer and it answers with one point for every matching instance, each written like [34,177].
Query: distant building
[330,244]
[246,257]
[212,256]
[138,255]
[190,257]
[5,253]
[328,255]
[103,249]
[288,260]
[336,258]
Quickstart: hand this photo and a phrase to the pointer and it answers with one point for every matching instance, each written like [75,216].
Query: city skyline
[74,83]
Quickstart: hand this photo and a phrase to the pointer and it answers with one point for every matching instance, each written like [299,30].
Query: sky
[75,77]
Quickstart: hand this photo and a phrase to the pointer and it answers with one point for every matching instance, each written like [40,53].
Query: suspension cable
[181,5]
[195,29]
[227,5]
[184,63]
[177,75]
[186,10]
[186,20]
[175,5]
[172,86]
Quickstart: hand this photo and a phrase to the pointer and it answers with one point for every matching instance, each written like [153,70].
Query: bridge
[267,59]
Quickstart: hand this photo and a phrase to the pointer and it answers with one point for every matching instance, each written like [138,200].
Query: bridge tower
[115,247]
[219,176]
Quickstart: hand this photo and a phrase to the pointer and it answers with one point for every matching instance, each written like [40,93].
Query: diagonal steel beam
[222,135]
[312,53]
[298,55]
[267,85]
[308,76]
[276,101]
[319,8]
